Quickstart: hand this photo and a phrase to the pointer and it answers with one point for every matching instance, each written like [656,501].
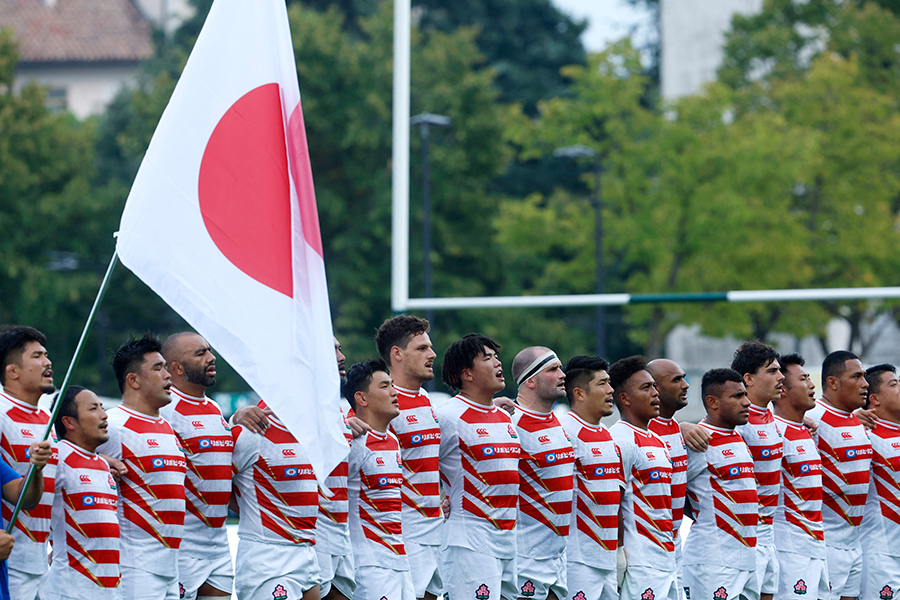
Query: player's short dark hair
[622,370]
[715,379]
[461,355]
[786,361]
[13,339]
[873,376]
[130,356]
[833,365]
[752,356]
[67,408]
[359,378]
[579,372]
[397,331]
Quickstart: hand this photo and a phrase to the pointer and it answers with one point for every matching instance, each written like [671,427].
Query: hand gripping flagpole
[62,388]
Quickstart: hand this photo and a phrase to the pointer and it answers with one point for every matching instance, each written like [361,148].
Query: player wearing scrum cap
[719,555]
[479,464]
[880,527]
[646,513]
[593,535]
[406,348]
[545,475]
[846,454]
[799,540]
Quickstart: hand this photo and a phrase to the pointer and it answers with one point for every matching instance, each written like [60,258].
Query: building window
[56,99]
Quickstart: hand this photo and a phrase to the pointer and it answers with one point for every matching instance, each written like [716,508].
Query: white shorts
[379,583]
[272,571]
[537,577]
[844,571]
[715,582]
[424,566]
[679,564]
[588,583]
[138,585]
[802,577]
[646,583]
[194,572]
[470,575]
[67,584]
[336,572]
[24,585]
[880,577]
[766,568]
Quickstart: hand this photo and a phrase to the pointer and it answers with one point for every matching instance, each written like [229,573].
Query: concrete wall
[692,35]
[88,88]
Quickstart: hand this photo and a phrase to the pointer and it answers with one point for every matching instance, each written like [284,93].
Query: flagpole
[65,384]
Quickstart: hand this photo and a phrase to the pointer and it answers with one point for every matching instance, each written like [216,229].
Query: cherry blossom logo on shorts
[279,593]
[482,593]
[579,596]
[528,589]
[720,594]
[648,594]
[800,587]
[886,593]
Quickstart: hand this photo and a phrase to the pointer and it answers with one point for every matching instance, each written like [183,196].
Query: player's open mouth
[48,373]
[211,370]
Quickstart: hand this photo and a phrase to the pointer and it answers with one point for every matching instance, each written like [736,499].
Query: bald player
[546,466]
[204,559]
[673,396]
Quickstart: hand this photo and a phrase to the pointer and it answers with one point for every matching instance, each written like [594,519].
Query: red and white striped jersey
[479,463]
[880,527]
[598,482]
[722,491]
[275,486]
[669,431]
[846,454]
[151,493]
[765,445]
[20,426]
[798,520]
[205,436]
[546,467]
[419,435]
[375,489]
[332,531]
[85,523]
[647,505]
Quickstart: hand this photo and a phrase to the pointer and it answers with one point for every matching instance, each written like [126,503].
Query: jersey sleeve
[357,454]
[246,448]
[628,453]
[696,463]
[112,446]
[449,438]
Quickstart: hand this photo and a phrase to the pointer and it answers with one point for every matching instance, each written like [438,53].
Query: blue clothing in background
[7,474]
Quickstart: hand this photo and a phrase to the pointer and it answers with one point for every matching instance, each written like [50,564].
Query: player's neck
[534,404]
[377,424]
[584,416]
[715,421]
[189,389]
[835,403]
[635,421]
[759,402]
[787,412]
[667,412]
[478,396]
[88,445]
[406,381]
[139,405]
[23,396]
[884,415]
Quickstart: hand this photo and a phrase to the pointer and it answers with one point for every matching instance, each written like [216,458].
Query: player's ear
[12,371]
[69,423]
[874,402]
[133,380]
[712,402]
[748,379]
[466,375]
[360,399]
[623,398]
[578,394]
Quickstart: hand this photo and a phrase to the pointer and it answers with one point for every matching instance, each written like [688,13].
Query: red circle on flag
[244,189]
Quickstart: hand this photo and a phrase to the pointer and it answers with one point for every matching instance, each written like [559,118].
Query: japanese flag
[221,221]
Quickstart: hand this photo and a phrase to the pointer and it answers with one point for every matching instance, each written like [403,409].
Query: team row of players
[516,485]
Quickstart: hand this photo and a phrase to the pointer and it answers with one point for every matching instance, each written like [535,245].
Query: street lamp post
[579,151]
[425,121]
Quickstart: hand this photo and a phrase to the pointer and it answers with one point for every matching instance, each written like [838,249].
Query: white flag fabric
[221,221]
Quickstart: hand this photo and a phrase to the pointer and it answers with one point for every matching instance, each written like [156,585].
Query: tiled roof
[77,30]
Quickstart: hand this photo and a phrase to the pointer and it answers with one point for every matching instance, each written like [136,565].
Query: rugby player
[719,555]
[374,487]
[151,493]
[645,517]
[846,455]
[673,389]
[204,559]
[85,525]
[546,468]
[799,540]
[26,374]
[593,536]
[880,528]
[275,493]
[758,365]
[404,345]
[479,464]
